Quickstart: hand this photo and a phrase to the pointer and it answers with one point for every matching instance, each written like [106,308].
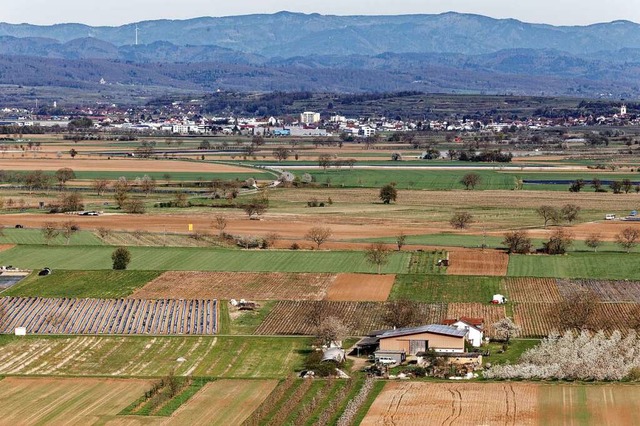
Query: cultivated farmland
[445,288]
[83,401]
[101,316]
[575,265]
[238,285]
[478,262]
[448,404]
[138,356]
[532,290]
[100,284]
[361,288]
[223,402]
[297,318]
[605,291]
[199,259]
[505,403]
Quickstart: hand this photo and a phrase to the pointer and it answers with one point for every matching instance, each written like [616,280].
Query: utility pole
[136,35]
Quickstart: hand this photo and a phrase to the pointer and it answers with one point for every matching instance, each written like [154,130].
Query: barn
[411,340]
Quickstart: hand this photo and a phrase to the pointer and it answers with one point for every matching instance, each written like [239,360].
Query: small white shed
[21,331]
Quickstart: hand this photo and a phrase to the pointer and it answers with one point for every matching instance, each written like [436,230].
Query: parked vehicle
[609,216]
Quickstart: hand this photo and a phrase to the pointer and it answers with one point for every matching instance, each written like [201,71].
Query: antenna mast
[136,35]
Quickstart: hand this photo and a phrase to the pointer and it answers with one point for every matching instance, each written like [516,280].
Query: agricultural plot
[238,285]
[445,288]
[199,259]
[532,290]
[540,319]
[35,236]
[78,284]
[478,262]
[297,318]
[136,356]
[504,403]
[456,403]
[72,401]
[360,288]
[424,262]
[490,313]
[101,316]
[605,291]
[223,402]
[614,266]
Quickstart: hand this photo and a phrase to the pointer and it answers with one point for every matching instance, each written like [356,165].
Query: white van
[609,216]
[386,360]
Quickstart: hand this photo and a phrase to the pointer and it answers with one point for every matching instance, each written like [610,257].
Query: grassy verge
[35,237]
[515,349]
[80,284]
[248,321]
[444,288]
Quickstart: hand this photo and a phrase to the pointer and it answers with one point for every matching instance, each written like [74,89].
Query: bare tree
[256,206]
[471,180]
[593,241]
[220,223]
[68,229]
[71,202]
[401,239]
[570,212]
[281,153]
[578,311]
[104,232]
[63,175]
[270,239]
[49,231]
[506,329]
[324,161]
[401,313]
[559,242]
[548,213]
[318,235]
[147,184]
[628,238]
[122,189]
[100,186]
[378,254]
[461,220]
[134,206]
[517,242]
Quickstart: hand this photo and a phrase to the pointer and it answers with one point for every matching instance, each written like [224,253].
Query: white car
[609,216]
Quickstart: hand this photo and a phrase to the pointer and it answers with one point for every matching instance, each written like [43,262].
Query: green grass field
[444,288]
[91,284]
[34,236]
[577,265]
[230,357]
[198,259]
[409,179]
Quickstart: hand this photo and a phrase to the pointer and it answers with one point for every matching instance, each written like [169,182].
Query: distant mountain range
[446,52]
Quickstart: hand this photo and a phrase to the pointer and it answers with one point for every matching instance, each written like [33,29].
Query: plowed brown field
[237,285]
[119,165]
[420,403]
[490,313]
[478,262]
[361,288]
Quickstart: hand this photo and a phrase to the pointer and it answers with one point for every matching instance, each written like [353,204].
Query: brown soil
[118,165]
[237,285]
[403,403]
[4,247]
[361,288]
[478,262]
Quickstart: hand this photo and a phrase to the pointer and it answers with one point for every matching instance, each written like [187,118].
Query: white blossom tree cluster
[577,356]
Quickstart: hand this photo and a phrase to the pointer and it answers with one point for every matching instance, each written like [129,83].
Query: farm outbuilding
[473,326]
[440,338]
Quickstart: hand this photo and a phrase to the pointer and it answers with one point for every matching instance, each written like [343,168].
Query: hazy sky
[117,12]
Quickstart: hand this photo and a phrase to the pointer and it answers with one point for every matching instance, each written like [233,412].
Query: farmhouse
[473,327]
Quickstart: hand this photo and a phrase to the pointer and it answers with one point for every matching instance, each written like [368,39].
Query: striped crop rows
[115,316]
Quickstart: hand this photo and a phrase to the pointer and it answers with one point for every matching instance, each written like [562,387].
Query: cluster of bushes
[313,202]
[496,156]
